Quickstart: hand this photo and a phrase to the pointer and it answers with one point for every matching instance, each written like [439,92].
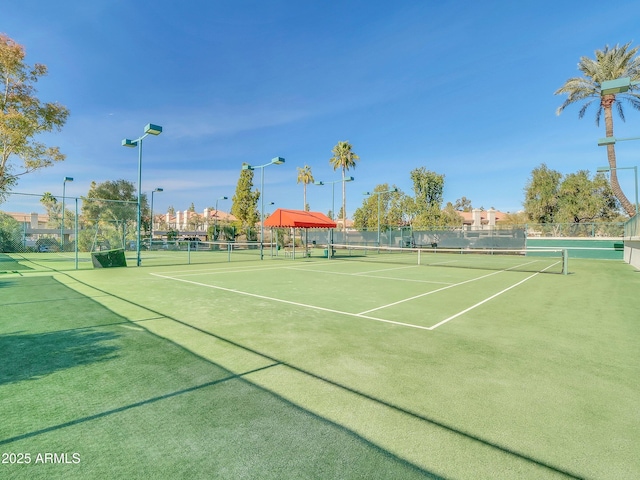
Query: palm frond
[618,107]
[609,63]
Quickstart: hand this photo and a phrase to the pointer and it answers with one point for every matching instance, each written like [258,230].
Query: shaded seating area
[298,219]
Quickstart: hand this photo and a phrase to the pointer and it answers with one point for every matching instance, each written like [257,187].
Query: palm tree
[609,64]
[345,159]
[51,205]
[305,176]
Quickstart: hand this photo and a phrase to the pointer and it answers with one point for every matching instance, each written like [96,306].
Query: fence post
[77,237]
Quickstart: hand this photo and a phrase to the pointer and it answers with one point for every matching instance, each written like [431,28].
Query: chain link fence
[42,224]
[31,223]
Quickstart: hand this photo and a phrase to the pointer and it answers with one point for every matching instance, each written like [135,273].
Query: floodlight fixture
[274,161]
[619,85]
[149,129]
[152,129]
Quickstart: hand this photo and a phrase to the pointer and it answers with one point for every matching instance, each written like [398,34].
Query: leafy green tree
[450,216]
[114,205]
[609,64]
[541,194]
[390,209]
[53,209]
[10,234]
[245,203]
[365,216]
[428,187]
[305,177]
[463,205]
[195,221]
[341,215]
[344,159]
[23,117]
[514,218]
[551,197]
[581,199]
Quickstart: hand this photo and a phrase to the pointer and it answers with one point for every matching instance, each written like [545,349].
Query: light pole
[158,189]
[274,161]
[215,220]
[333,200]
[150,129]
[635,173]
[611,141]
[64,185]
[333,197]
[378,194]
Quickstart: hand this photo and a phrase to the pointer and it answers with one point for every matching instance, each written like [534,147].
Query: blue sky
[461,88]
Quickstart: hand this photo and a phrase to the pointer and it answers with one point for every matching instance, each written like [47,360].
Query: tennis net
[181,252]
[523,260]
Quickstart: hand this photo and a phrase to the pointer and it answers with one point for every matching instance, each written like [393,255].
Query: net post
[419,253]
[565,261]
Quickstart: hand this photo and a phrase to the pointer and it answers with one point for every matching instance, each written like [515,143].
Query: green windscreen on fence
[522,260]
[109,258]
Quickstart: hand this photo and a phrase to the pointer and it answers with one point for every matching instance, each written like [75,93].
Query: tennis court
[357,366]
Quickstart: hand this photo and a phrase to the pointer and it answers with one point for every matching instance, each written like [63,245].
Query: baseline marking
[433,327]
[431,292]
[289,302]
[450,286]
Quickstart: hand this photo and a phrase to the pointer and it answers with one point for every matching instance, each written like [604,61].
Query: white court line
[386,269]
[447,287]
[362,314]
[179,273]
[313,307]
[191,273]
[372,276]
[433,327]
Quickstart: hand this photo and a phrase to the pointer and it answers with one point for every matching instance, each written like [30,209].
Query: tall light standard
[274,161]
[333,197]
[215,220]
[613,87]
[611,141]
[333,200]
[378,194]
[150,129]
[158,189]
[64,185]
[635,172]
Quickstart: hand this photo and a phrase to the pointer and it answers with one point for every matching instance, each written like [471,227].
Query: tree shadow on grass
[8,264]
[31,356]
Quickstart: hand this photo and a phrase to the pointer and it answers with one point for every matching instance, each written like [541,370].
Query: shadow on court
[145,407]
[517,455]
[31,356]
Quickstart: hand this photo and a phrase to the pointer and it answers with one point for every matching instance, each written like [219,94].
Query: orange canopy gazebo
[282,218]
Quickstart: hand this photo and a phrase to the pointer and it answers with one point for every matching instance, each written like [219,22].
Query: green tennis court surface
[322,368]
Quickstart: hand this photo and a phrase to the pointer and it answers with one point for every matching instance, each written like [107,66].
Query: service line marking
[366,275]
[433,327]
[289,302]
